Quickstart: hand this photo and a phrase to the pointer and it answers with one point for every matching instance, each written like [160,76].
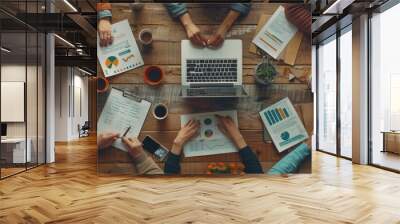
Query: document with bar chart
[283,124]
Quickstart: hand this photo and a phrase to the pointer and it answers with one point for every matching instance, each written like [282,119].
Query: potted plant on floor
[265,72]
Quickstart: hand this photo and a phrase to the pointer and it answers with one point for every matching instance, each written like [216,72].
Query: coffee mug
[153,75]
[102,84]
[146,38]
[160,111]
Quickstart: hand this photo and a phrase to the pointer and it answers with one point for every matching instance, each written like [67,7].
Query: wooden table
[167,34]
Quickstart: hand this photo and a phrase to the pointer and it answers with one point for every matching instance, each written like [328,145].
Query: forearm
[172,164]
[144,164]
[228,21]
[250,161]
[103,11]
[186,20]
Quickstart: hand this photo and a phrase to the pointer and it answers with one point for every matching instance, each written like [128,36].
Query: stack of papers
[276,34]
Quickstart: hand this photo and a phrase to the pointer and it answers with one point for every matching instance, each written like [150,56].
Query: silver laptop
[212,72]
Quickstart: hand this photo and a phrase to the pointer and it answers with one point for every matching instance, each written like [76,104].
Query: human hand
[104,28]
[228,128]
[105,140]
[192,31]
[216,39]
[135,147]
[194,35]
[184,135]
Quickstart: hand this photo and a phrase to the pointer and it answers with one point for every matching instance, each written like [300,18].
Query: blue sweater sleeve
[176,9]
[172,164]
[104,14]
[250,161]
[291,162]
[242,8]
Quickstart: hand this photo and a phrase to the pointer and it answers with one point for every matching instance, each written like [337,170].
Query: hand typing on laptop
[179,10]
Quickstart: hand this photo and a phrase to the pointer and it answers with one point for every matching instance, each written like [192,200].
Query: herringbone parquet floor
[71,192]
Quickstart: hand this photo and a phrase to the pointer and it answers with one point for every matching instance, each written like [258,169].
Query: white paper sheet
[275,35]
[283,124]
[123,54]
[121,112]
[210,140]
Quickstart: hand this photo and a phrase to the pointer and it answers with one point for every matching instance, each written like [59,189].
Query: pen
[126,132]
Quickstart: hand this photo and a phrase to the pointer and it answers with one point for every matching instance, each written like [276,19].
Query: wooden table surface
[167,34]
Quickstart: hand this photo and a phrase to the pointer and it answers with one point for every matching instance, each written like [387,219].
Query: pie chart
[112,60]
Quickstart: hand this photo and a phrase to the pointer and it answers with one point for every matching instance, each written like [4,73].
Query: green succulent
[266,71]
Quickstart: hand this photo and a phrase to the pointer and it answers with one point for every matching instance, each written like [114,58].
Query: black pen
[126,132]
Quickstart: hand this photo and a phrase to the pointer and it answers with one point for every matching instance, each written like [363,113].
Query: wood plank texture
[70,191]
[167,34]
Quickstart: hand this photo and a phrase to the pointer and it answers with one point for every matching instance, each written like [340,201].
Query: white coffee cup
[160,111]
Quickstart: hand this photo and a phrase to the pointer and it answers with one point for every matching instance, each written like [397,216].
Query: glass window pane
[327,97]
[31,97]
[13,83]
[346,94]
[385,91]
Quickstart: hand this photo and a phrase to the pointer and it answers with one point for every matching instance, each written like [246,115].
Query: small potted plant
[265,72]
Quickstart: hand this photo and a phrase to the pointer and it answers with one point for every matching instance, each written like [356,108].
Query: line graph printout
[211,140]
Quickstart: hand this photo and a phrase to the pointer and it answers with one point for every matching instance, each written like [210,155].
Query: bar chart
[276,115]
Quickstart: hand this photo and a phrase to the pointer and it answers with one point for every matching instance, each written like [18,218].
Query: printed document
[210,140]
[121,112]
[123,54]
[275,35]
[283,124]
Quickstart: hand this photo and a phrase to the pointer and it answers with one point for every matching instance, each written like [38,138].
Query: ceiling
[72,20]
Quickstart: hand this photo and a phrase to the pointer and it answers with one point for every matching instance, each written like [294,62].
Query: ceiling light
[84,71]
[5,50]
[65,41]
[338,6]
[70,5]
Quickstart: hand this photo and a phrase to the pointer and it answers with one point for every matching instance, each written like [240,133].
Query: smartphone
[152,146]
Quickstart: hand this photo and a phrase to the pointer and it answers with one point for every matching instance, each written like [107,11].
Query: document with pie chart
[283,124]
[211,140]
[123,54]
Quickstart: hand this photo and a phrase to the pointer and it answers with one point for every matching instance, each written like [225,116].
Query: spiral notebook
[123,111]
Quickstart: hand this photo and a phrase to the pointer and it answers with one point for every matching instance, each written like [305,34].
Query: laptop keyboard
[211,70]
[224,91]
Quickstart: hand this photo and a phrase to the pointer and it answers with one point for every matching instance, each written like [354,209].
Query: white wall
[70,81]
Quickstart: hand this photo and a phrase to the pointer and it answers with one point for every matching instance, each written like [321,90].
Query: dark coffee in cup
[153,75]
[160,111]
[146,37]
[102,84]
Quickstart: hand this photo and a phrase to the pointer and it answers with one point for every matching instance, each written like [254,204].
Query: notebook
[121,111]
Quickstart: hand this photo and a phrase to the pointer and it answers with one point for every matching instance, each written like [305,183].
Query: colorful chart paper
[283,124]
[123,54]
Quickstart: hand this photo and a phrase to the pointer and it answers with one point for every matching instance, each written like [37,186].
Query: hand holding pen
[105,140]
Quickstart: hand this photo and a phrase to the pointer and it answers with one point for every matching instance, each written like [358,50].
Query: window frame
[334,37]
